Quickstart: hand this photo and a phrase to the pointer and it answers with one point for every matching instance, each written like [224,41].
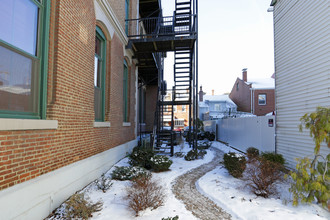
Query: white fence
[242,133]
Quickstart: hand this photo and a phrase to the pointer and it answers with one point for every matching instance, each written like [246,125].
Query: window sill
[126,124]
[98,124]
[9,124]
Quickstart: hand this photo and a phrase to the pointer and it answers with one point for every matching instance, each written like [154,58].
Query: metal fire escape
[150,38]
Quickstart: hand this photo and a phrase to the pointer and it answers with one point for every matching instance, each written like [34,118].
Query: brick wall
[119,9]
[25,155]
[241,96]
[182,114]
[270,102]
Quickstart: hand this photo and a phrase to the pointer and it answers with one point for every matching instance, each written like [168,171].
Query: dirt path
[184,189]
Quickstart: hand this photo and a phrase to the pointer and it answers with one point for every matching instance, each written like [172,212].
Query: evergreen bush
[140,156]
[104,183]
[252,152]
[128,173]
[235,164]
[273,157]
[195,154]
[160,163]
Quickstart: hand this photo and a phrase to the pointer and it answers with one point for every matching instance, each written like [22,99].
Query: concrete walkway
[184,189]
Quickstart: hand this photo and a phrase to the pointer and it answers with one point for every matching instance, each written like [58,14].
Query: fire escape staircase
[163,34]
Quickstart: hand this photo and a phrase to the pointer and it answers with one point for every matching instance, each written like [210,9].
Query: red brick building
[256,96]
[68,99]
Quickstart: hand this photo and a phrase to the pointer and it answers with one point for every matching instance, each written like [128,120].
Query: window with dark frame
[125,92]
[99,74]
[24,34]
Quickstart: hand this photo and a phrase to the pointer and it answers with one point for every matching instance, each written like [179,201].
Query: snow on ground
[228,192]
[232,195]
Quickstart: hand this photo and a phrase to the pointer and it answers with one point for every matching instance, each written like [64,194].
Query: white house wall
[302,66]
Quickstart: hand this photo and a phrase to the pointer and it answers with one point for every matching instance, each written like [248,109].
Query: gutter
[273,2]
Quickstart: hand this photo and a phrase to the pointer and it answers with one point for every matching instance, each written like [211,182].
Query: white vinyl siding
[302,65]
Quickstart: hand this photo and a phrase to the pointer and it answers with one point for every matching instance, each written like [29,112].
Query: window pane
[98,104]
[262,99]
[98,45]
[19,24]
[97,72]
[18,82]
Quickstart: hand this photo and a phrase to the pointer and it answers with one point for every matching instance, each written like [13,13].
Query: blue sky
[233,34]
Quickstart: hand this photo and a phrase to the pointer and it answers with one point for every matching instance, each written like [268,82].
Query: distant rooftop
[267,83]
[216,98]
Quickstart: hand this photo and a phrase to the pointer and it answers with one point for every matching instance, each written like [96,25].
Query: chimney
[244,77]
[201,94]
[212,91]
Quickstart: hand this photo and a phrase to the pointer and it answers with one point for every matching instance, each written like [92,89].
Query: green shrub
[79,207]
[235,164]
[201,145]
[140,156]
[179,154]
[273,157]
[209,135]
[160,163]
[312,177]
[128,173]
[252,152]
[104,183]
[171,218]
[310,182]
[195,154]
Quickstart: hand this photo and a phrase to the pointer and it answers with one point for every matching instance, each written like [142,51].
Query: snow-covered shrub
[160,163]
[204,144]
[104,183]
[235,163]
[171,218]
[179,154]
[252,152]
[79,207]
[273,157]
[195,154]
[144,193]
[140,156]
[128,173]
[261,176]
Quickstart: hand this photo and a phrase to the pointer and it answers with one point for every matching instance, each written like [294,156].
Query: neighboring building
[180,112]
[68,98]
[256,96]
[212,107]
[301,35]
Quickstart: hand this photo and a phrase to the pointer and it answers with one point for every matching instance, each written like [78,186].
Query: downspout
[251,101]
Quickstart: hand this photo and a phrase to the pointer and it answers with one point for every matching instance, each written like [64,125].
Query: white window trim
[9,124]
[265,99]
[102,124]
